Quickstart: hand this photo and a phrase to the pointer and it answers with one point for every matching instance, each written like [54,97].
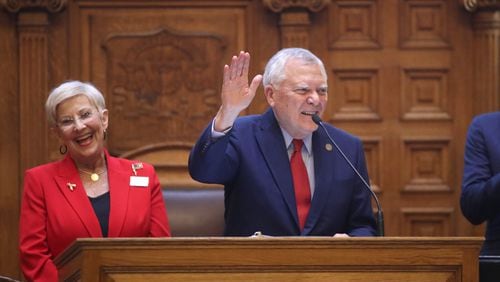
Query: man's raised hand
[236,93]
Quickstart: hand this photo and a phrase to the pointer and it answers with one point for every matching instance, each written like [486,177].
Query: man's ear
[269,92]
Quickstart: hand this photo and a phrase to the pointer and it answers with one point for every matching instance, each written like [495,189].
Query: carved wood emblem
[164,86]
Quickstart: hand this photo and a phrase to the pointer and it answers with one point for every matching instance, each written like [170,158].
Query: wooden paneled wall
[405,75]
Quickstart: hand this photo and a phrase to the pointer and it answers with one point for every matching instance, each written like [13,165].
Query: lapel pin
[135,167]
[328,147]
[71,186]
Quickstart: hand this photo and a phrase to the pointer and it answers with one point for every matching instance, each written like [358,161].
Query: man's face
[300,95]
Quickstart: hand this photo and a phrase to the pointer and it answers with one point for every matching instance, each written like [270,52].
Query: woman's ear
[104,118]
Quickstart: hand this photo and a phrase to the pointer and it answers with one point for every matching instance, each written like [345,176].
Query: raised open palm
[236,93]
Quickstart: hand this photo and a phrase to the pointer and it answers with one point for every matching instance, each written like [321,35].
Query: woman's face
[80,126]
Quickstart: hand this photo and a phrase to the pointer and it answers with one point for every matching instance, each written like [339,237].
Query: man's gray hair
[275,68]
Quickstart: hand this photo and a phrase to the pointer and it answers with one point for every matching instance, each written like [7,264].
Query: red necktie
[300,182]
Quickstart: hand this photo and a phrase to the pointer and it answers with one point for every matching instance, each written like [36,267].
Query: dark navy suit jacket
[252,163]
[480,199]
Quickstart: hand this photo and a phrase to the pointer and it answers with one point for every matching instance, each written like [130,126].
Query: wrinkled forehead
[304,73]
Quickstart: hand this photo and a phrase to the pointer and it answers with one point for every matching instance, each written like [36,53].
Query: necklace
[94,176]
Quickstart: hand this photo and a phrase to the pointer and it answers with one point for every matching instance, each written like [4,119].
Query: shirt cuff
[218,134]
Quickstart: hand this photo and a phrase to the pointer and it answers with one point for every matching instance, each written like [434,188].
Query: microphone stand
[380,213]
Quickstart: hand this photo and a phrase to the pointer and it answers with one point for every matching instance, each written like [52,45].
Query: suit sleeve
[213,160]
[159,217]
[480,188]
[361,220]
[36,259]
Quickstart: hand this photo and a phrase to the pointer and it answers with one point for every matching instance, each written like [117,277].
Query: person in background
[480,197]
[88,193]
[281,175]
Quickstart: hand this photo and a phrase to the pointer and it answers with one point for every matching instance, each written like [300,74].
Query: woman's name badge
[139,181]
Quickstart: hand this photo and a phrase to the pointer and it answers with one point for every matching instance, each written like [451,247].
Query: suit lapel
[119,188]
[272,146]
[68,177]
[323,173]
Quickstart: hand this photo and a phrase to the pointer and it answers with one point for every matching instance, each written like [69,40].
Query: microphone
[380,213]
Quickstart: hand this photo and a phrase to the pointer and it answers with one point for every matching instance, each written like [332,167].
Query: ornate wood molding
[14,6]
[473,5]
[294,19]
[486,27]
[33,45]
[279,5]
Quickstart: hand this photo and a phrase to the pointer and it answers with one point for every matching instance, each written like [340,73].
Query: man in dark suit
[480,199]
[282,176]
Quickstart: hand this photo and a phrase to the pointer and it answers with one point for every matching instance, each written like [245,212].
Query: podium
[409,259]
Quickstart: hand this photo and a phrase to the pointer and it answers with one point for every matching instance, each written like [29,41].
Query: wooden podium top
[272,259]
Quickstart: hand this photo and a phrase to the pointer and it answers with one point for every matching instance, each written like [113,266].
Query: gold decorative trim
[14,6]
[279,5]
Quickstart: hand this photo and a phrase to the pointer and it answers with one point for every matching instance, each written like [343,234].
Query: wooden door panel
[392,79]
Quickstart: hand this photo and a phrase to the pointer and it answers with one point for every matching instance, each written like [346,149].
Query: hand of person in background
[236,94]
[341,235]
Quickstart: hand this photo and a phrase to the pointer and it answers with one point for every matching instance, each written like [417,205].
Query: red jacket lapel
[119,186]
[68,181]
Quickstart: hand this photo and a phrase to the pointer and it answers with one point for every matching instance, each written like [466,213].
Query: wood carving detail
[311,5]
[473,5]
[356,94]
[295,29]
[294,19]
[15,6]
[162,86]
[428,162]
[427,221]
[424,24]
[354,25]
[486,25]
[425,94]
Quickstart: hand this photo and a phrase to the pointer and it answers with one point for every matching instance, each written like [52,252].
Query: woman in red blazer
[88,193]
